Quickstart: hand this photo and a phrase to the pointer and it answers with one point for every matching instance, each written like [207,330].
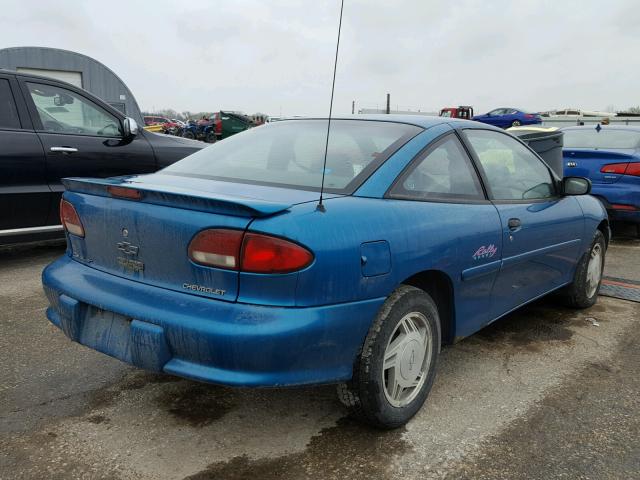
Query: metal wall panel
[96,77]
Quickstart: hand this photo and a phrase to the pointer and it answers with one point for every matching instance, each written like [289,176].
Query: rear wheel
[516,123]
[211,137]
[189,135]
[394,373]
[583,292]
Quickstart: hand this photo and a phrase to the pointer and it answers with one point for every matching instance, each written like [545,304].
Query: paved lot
[545,393]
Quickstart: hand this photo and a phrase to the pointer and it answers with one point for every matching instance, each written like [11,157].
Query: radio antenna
[333,86]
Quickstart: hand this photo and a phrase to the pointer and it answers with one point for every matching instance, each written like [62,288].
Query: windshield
[291,153]
[591,138]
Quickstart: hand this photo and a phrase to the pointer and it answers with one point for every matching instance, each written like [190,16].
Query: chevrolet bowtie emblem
[127,248]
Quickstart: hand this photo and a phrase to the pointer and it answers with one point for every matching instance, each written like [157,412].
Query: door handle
[64,149]
[514,224]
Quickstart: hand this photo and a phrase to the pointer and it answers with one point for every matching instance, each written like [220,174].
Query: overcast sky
[276,56]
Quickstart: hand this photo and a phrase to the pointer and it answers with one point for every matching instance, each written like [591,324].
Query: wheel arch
[440,287]
[604,227]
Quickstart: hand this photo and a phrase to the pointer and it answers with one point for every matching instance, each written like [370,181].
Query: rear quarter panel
[420,236]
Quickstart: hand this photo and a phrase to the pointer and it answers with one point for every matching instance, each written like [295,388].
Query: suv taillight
[70,219]
[632,168]
[247,252]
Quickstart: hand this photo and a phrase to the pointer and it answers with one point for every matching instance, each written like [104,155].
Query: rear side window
[604,138]
[291,154]
[8,111]
[444,172]
[512,171]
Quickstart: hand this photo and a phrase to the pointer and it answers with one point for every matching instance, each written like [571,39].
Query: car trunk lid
[147,240]
[583,162]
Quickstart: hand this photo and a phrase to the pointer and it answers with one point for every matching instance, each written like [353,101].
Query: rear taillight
[217,248]
[266,254]
[632,168]
[247,252]
[618,168]
[529,115]
[621,206]
[124,192]
[70,219]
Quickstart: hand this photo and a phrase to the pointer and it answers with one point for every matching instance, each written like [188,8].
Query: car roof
[424,121]
[630,128]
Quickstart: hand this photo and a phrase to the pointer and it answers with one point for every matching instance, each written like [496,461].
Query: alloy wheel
[406,359]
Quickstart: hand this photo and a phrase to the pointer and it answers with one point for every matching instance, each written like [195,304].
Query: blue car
[610,157]
[226,268]
[508,117]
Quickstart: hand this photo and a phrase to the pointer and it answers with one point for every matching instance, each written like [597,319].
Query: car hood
[162,139]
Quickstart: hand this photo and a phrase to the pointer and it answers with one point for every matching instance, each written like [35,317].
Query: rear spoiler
[169,196]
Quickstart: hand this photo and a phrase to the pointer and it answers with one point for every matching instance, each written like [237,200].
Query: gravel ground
[543,393]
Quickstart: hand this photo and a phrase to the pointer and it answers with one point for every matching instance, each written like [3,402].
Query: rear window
[291,153]
[591,138]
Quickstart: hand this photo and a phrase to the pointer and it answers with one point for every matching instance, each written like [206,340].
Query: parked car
[50,130]
[610,157]
[508,117]
[169,126]
[464,112]
[225,268]
[577,113]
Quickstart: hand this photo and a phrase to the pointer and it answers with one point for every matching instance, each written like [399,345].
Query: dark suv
[50,130]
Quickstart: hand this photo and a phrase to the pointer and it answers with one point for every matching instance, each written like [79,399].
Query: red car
[168,125]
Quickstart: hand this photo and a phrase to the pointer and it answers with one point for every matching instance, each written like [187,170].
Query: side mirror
[130,127]
[576,186]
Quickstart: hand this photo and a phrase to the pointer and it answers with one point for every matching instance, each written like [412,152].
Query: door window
[63,111]
[512,171]
[8,111]
[445,172]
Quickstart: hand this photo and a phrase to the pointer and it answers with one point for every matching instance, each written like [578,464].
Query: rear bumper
[624,215]
[619,193]
[204,339]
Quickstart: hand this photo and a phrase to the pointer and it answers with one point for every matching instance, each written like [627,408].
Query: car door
[24,192]
[541,230]
[508,118]
[494,117]
[81,136]
[453,223]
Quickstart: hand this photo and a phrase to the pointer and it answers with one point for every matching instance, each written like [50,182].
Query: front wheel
[516,123]
[583,292]
[396,369]
[210,138]
[189,135]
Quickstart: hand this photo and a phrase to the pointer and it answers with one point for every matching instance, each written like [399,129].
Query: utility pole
[388,103]
[353,107]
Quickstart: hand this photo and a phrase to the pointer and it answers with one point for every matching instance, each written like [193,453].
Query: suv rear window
[291,153]
[605,138]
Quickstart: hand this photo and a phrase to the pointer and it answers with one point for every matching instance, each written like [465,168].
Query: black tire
[516,123]
[365,395]
[211,137]
[189,135]
[577,294]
